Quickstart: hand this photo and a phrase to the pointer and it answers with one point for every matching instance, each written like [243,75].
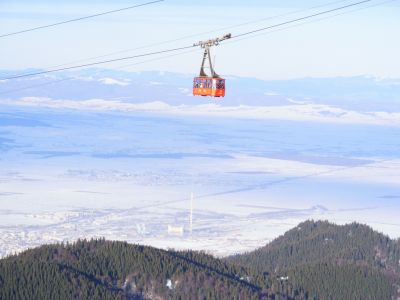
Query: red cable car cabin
[208,86]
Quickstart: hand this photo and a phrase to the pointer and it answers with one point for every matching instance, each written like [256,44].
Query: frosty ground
[69,173]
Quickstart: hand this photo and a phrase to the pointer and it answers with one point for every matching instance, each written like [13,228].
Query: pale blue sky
[361,43]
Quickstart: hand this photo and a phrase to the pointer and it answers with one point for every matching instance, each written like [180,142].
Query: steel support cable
[305,23]
[302,18]
[80,19]
[187,47]
[98,63]
[197,34]
[116,68]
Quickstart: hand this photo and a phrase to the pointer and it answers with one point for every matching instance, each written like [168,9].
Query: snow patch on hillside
[304,112]
[111,81]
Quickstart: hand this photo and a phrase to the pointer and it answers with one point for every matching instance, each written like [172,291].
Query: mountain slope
[316,260]
[316,242]
[100,269]
[329,261]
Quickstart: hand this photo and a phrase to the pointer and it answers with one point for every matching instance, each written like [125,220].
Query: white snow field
[79,168]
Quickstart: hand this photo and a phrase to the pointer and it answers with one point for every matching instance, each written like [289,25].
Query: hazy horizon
[309,127]
[361,42]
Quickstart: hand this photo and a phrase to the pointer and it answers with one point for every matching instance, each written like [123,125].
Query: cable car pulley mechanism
[209,85]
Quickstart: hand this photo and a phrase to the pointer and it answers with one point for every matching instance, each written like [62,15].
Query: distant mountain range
[315,260]
[351,93]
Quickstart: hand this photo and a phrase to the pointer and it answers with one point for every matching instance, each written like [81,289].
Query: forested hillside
[100,269]
[316,260]
[328,261]
[314,242]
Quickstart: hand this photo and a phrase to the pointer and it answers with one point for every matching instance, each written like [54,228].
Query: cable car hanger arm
[206,45]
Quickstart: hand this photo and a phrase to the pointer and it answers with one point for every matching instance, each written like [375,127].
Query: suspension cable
[98,62]
[187,47]
[302,18]
[80,19]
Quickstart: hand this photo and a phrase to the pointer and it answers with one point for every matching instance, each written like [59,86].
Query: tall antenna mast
[191,213]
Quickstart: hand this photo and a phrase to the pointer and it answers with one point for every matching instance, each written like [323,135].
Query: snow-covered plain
[81,168]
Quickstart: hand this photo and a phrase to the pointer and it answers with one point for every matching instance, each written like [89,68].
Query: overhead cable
[197,34]
[187,47]
[116,68]
[308,22]
[98,62]
[80,19]
[302,18]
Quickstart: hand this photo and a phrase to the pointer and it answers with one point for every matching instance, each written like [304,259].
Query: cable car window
[221,84]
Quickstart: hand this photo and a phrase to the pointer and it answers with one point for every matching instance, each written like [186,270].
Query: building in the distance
[175,230]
